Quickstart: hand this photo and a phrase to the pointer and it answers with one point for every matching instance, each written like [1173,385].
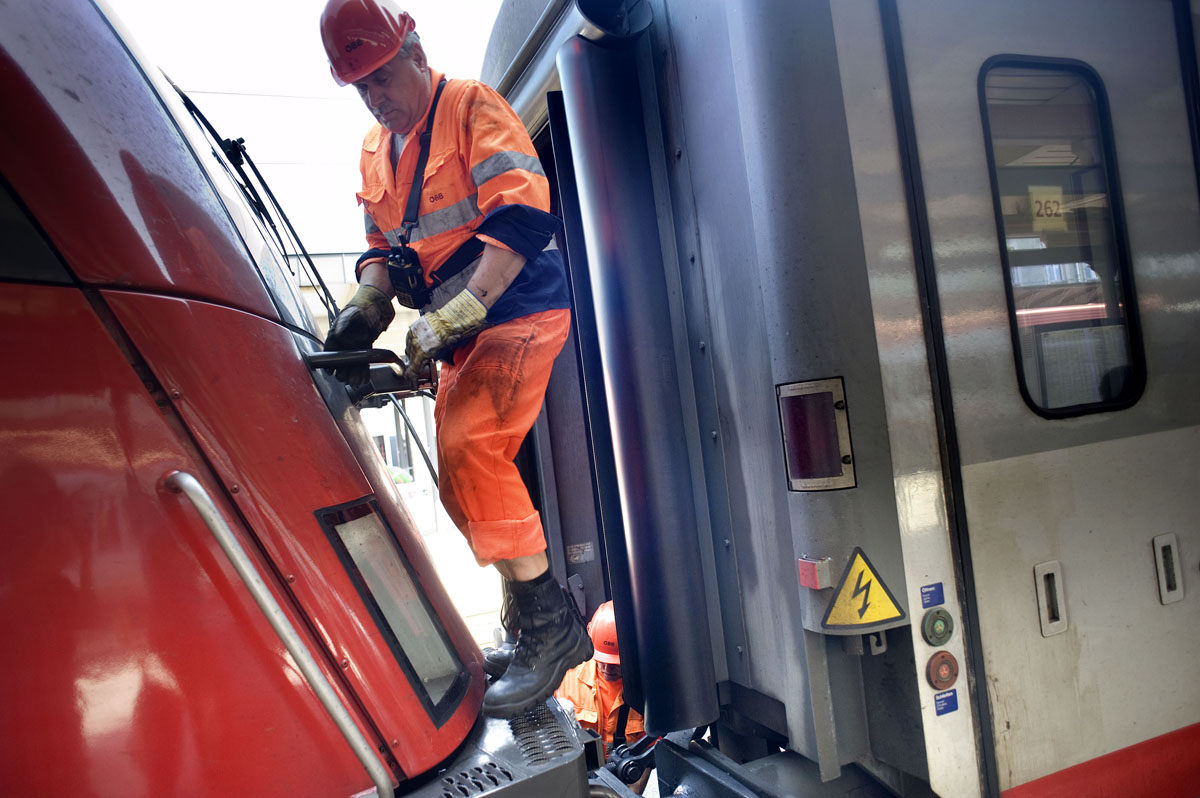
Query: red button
[942,670]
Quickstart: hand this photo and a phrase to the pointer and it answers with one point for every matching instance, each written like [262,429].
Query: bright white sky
[257,70]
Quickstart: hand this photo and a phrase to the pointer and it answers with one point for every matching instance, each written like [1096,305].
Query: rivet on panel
[714,434]
[290,578]
[345,663]
[176,393]
[235,489]
[846,459]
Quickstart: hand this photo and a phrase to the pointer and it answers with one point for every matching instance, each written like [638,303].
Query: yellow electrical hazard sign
[861,598]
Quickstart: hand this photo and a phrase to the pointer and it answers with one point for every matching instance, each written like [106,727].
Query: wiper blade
[235,153]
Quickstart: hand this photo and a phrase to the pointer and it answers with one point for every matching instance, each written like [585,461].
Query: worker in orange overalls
[457,221]
[595,689]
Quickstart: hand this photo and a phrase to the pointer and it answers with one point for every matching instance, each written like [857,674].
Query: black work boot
[552,639]
[496,660]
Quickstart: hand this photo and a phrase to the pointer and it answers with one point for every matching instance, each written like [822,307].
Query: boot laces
[537,631]
[510,617]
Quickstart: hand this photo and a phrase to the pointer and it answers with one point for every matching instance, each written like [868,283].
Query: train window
[385,582]
[1071,305]
[24,253]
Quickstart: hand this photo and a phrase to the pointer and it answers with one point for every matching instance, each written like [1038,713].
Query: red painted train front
[153,339]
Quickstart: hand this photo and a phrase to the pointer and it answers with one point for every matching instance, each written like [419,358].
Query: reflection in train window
[1066,265]
[384,579]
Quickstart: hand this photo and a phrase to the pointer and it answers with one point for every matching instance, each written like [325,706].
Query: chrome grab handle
[189,486]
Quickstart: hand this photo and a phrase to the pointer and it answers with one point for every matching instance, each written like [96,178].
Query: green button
[937,627]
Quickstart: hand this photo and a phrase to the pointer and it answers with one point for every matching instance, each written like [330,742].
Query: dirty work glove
[435,332]
[358,324]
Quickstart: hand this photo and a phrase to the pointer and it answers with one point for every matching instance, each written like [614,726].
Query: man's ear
[418,56]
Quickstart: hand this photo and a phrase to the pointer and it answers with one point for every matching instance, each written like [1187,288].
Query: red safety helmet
[603,631]
[362,35]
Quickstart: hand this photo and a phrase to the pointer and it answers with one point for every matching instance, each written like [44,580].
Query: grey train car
[881,416]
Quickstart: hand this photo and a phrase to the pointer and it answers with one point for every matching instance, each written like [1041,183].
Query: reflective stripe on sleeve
[370,224]
[501,162]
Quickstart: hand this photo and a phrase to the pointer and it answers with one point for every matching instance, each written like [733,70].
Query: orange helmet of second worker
[603,631]
[362,35]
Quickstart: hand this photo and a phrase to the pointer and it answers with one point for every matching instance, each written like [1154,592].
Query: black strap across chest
[622,720]
[414,195]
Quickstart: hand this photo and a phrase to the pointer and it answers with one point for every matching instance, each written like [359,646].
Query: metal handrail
[189,486]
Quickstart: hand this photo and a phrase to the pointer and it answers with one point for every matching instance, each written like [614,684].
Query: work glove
[434,333]
[357,325]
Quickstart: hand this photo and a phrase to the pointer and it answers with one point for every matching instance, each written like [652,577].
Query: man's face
[609,673]
[397,93]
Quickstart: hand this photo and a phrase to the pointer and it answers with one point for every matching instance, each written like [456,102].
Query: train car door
[1058,226]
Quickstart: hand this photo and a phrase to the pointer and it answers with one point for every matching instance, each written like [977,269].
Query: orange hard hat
[603,631]
[362,35]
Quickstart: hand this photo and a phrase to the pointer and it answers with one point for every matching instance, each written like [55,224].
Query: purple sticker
[932,596]
[945,702]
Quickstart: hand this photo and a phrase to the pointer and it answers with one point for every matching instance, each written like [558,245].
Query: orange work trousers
[487,401]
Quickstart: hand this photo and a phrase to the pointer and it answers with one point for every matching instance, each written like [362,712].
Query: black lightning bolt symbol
[859,587]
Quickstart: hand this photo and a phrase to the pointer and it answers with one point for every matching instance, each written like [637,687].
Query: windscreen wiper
[238,158]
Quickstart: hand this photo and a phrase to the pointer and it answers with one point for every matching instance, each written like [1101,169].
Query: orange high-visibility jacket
[483,179]
[598,704]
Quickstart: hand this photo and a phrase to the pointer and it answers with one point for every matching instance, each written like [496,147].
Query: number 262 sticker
[1046,207]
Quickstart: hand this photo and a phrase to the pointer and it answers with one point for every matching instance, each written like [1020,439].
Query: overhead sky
[256,68]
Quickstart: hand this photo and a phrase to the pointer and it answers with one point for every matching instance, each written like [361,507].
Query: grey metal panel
[643,392]
[696,444]
[810,275]
[1131,45]
[787,299]
[916,455]
[1080,694]
[1089,492]
[707,149]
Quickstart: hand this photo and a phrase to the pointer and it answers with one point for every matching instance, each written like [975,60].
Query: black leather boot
[551,639]
[496,660]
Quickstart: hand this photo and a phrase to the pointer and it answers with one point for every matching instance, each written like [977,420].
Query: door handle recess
[190,487]
[1170,569]
[1051,597]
